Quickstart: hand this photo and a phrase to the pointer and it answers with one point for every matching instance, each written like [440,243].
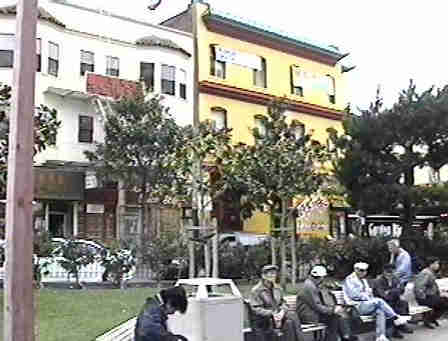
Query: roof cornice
[224,24]
[264,99]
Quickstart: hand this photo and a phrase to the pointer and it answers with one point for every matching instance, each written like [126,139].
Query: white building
[85,56]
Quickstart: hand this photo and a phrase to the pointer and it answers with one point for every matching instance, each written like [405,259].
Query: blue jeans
[382,311]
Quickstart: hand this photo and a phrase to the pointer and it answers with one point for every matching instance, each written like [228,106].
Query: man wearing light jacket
[401,259]
[359,294]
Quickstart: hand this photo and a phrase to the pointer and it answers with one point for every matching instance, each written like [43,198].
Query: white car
[243,238]
[54,272]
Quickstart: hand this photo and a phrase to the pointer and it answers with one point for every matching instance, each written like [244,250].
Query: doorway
[56,226]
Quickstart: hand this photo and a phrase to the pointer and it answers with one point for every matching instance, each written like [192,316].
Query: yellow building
[243,65]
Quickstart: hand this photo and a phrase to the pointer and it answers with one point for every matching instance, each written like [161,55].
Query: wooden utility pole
[18,304]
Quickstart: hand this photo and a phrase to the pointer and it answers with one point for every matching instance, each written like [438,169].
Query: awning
[67,93]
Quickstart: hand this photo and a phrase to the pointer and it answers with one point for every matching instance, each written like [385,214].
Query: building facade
[84,59]
[243,65]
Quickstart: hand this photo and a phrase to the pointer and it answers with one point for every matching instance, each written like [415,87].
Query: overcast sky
[390,41]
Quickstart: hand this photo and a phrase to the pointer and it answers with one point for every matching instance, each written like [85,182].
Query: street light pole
[18,305]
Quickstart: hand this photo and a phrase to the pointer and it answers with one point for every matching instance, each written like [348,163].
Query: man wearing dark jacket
[388,287]
[151,322]
[311,308]
[427,293]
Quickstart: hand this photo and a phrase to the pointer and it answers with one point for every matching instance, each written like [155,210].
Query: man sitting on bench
[427,293]
[269,308]
[358,293]
[387,286]
[312,307]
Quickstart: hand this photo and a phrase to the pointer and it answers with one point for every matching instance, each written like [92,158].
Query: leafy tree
[282,165]
[45,130]
[376,156]
[140,135]
[205,171]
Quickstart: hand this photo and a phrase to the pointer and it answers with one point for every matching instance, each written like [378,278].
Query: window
[53,59]
[217,68]
[147,75]
[7,44]
[219,118]
[112,66]
[182,84]
[300,130]
[260,126]
[296,81]
[85,133]
[39,54]
[331,89]
[168,80]
[87,62]
[259,76]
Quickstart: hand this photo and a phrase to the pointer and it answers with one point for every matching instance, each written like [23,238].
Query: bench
[315,328]
[125,331]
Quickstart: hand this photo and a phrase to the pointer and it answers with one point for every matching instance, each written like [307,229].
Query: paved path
[420,333]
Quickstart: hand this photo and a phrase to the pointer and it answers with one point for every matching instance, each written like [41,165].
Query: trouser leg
[332,327]
[380,322]
[292,327]
[345,327]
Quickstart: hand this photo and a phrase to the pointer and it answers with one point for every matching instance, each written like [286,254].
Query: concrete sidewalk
[421,333]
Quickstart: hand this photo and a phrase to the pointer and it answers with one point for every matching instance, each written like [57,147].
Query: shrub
[73,256]
[117,263]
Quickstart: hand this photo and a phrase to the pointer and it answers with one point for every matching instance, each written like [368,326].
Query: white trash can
[215,311]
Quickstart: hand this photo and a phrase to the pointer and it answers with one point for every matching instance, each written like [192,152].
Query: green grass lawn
[83,315]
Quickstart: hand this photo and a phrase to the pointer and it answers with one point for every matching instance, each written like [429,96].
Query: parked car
[54,272]
[244,238]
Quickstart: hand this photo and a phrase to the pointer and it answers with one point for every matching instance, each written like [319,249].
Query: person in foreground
[427,293]
[358,293]
[152,321]
[269,308]
[312,308]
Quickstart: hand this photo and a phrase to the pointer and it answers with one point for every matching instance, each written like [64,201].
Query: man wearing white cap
[312,308]
[358,293]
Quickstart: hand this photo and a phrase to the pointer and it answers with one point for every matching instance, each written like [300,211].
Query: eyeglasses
[362,270]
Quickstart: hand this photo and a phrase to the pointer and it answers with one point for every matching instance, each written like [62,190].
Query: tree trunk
[207,259]
[293,260]
[215,255]
[283,238]
[191,263]
[272,239]
[408,206]
[273,252]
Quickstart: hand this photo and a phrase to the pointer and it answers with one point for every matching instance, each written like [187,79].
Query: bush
[73,256]
[117,263]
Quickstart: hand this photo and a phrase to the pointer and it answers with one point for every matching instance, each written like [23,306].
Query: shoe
[405,329]
[436,323]
[382,338]
[397,335]
[401,319]
[428,324]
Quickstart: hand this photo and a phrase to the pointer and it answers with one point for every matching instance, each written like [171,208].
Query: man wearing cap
[269,308]
[387,286]
[358,293]
[311,308]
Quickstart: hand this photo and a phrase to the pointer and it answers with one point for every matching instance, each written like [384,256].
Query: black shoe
[406,329]
[436,323]
[428,324]
[397,335]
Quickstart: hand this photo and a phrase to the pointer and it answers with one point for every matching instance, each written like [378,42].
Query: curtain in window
[53,51]
[297,76]
[219,117]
